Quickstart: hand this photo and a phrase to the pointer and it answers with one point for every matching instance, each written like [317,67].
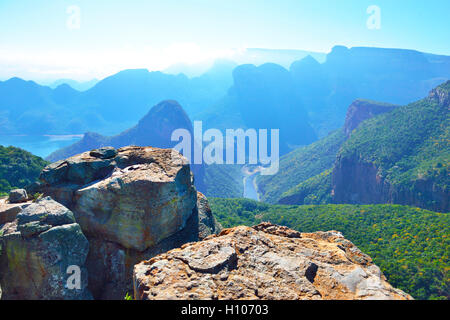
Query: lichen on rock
[264,262]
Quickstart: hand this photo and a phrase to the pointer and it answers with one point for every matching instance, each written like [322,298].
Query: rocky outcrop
[207,223]
[154,129]
[398,158]
[359,182]
[131,203]
[441,94]
[264,262]
[361,110]
[9,211]
[18,196]
[39,252]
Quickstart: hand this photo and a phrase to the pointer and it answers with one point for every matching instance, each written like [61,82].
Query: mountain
[305,173]
[77,85]
[396,155]
[264,97]
[395,75]
[18,168]
[111,106]
[154,129]
[410,245]
[300,165]
[399,157]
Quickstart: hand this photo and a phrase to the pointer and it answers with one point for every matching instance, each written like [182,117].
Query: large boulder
[131,203]
[264,262]
[18,196]
[39,252]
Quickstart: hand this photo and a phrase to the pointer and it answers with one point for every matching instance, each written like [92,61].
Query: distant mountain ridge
[154,129]
[324,90]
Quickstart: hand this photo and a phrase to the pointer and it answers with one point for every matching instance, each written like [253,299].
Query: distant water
[39,145]
[249,187]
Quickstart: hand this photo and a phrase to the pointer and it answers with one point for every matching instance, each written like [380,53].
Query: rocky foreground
[264,262]
[117,217]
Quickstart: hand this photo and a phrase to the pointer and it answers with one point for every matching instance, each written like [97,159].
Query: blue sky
[36,41]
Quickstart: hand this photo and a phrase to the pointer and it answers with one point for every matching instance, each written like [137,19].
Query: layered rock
[264,262]
[131,203]
[39,252]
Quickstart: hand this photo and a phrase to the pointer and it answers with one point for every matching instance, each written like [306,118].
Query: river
[250,188]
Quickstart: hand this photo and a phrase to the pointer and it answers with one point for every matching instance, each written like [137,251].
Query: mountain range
[383,154]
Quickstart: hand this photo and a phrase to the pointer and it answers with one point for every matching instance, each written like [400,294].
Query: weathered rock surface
[207,223]
[264,262]
[9,211]
[361,110]
[36,251]
[131,203]
[18,196]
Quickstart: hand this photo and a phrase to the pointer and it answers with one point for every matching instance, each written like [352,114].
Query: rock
[9,211]
[361,110]
[154,129]
[17,196]
[104,153]
[263,262]
[39,250]
[131,206]
[207,222]
[441,94]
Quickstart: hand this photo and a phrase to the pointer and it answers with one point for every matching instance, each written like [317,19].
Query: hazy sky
[82,39]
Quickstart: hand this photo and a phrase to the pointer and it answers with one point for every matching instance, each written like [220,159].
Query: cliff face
[264,262]
[358,182]
[401,157]
[361,110]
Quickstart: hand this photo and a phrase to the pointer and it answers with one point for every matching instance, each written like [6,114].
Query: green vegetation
[410,146]
[410,245]
[128,297]
[300,165]
[223,181]
[315,190]
[18,168]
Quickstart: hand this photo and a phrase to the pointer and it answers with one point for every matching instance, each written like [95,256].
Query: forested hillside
[18,168]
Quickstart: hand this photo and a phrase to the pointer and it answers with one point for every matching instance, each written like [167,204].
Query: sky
[85,39]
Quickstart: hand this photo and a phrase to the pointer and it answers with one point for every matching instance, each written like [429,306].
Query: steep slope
[399,157]
[154,129]
[300,165]
[410,245]
[266,99]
